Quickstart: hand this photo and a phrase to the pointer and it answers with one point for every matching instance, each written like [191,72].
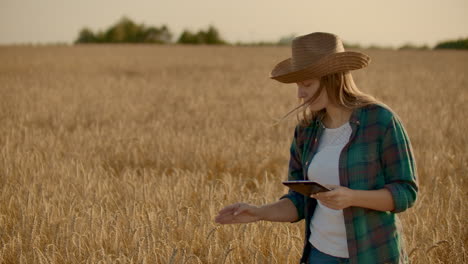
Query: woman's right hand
[238,213]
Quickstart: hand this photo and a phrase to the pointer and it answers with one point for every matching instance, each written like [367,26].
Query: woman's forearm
[380,200]
[281,211]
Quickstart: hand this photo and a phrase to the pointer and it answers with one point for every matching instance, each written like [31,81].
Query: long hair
[341,91]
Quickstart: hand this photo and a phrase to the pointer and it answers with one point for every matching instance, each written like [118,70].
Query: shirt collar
[355,116]
[354,119]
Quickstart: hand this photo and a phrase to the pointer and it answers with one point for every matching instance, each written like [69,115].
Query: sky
[365,22]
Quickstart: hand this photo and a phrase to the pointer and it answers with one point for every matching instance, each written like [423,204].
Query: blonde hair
[341,91]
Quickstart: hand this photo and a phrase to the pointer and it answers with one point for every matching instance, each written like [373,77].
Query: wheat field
[124,154]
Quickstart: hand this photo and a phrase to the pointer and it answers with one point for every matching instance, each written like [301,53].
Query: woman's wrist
[262,212]
[380,200]
[280,211]
[353,197]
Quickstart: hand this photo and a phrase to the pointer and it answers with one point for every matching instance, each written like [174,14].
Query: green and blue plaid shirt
[378,155]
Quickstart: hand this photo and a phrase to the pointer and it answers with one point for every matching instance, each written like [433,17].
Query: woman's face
[306,89]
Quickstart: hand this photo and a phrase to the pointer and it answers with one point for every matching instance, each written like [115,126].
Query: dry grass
[124,154]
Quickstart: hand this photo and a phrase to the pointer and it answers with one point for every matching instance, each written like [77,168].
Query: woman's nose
[301,93]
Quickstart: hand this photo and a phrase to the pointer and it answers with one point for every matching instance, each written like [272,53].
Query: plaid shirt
[378,155]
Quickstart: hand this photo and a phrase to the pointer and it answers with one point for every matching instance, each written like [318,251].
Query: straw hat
[316,55]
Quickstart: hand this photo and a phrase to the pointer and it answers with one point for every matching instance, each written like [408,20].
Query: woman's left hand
[338,198]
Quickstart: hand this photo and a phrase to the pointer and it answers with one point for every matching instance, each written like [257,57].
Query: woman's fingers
[331,186]
[227,219]
[224,219]
[236,213]
[224,216]
[241,209]
[235,209]
[227,213]
[229,208]
[325,195]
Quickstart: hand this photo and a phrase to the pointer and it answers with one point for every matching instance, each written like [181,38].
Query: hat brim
[333,63]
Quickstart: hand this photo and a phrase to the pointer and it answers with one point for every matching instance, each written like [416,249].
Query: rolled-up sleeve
[294,174]
[399,166]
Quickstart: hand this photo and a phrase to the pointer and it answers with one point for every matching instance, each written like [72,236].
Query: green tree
[351,45]
[453,44]
[157,35]
[188,37]
[86,36]
[211,36]
[127,31]
[124,31]
[286,40]
[409,46]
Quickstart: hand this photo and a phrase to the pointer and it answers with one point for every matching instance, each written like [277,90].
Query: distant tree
[86,36]
[211,36]
[378,47]
[351,46]
[158,35]
[286,40]
[453,44]
[126,31]
[409,46]
[258,43]
[100,37]
[188,37]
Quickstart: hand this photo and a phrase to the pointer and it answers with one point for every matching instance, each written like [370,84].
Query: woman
[349,142]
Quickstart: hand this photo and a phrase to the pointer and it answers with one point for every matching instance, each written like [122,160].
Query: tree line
[127,31]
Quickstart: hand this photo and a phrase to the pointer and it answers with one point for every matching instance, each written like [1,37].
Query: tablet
[306,187]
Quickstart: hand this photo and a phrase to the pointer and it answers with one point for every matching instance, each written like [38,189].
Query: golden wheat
[124,154]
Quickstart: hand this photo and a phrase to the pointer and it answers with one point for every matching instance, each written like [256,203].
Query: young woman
[349,142]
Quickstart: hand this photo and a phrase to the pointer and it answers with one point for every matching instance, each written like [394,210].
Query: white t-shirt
[328,233]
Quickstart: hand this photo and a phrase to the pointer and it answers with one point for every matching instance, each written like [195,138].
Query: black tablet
[306,187]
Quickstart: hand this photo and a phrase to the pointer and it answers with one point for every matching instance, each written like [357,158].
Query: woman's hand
[338,198]
[238,213]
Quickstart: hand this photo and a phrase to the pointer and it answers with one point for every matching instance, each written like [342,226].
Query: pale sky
[386,23]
